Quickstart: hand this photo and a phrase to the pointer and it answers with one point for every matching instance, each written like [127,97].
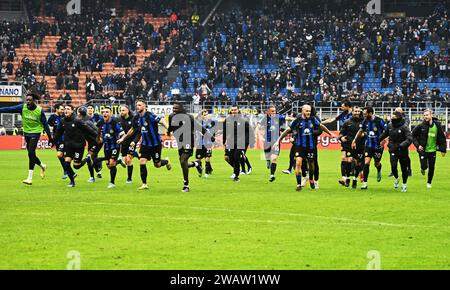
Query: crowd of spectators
[363,48]
[93,38]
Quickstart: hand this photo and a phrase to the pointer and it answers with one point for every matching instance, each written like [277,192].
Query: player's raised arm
[329,121]
[326,130]
[289,119]
[12,109]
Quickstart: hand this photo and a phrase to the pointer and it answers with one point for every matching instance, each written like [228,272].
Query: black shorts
[376,154]
[94,147]
[60,147]
[346,148]
[269,151]
[357,154]
[127,149]
[184,151]
[112,154]
[234,154]
[304,153]
[75,153]
[149,153]
[203,152]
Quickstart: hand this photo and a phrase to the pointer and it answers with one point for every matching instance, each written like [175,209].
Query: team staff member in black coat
[236,132]
[407,122]
[75,134]
[399,140]
[93,147]
[428,137]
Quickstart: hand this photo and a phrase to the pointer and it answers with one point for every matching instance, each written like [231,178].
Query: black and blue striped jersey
[111,132]
[147,124]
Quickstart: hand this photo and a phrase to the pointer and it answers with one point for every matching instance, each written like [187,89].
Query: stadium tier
[159,50]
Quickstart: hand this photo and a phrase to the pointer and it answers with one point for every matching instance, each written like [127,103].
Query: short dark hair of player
[82,111]
[90,106]
[107,108]
[69,105]
[57,106]
[34,96]
[180,105]
[347,103]
[142,101]
[369,110]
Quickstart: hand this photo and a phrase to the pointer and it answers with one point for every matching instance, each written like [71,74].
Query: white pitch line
[183,218]
[348,220]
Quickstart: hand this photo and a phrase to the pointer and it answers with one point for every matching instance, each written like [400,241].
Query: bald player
[304,129]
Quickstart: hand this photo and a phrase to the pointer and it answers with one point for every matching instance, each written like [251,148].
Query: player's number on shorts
[77,155]
[310,155]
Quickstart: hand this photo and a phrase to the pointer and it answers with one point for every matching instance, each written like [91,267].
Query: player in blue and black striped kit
[151,146]
[109,131]
[304,130]
[53,122]
[271,125]
[373,126]
[204,145]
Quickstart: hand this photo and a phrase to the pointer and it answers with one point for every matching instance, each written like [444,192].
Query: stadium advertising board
[227,110]
[10,93]
[115,109]
[160,110]
[155,109]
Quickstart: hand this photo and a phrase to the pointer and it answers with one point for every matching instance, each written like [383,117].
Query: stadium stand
[280,52]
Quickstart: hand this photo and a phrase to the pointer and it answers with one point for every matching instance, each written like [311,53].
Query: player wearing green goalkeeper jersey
[34,123]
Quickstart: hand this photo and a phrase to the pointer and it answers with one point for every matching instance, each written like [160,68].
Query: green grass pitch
[219,224]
